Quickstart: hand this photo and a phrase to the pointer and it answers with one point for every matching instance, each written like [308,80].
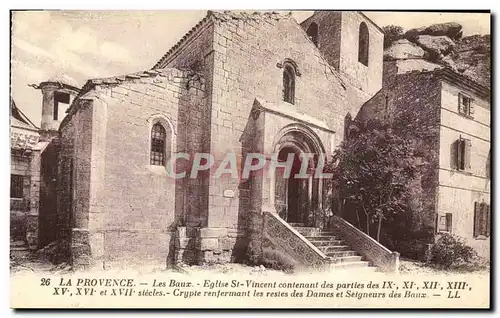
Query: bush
[392,33]
[278,260]
[450,251]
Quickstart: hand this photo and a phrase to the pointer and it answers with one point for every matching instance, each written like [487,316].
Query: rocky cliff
[440,45]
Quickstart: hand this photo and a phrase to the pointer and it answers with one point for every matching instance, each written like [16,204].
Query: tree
[392,33]
[374,170]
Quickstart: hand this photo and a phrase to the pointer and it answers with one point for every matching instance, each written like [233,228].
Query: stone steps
[337,248]
[340,254]
[307,231]
[347,259]
[332,249]
[17,243]
[349,265]
[322,238]
[19,249]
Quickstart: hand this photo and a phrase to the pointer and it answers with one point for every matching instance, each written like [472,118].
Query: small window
[59,97]
[289,84]
[16,186]
[462,154]
[312,33]
[363,44]
[158,141]
[482,219]
[465,105]
[445,222]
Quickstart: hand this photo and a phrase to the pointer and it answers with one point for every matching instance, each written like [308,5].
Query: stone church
[236,83]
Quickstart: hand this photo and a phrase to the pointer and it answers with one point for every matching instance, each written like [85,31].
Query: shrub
[450,251]
[278,260]
[392,33]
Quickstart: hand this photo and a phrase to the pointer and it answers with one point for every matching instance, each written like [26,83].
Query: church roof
[86,90]
[224,16]
[113,80]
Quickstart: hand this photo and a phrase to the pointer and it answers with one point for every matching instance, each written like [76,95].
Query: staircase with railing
[340,247]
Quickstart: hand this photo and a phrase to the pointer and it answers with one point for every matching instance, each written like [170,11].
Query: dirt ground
[35,264]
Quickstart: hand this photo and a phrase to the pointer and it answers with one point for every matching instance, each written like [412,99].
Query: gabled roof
[222,16]
[115,80]
[87,90]
[18,118]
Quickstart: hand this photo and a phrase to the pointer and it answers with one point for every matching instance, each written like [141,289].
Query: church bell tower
[58,93]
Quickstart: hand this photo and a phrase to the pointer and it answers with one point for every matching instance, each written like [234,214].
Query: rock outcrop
[442,45]
[451,30]
[437,46]
[404,49]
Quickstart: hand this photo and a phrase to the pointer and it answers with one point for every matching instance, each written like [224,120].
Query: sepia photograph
[250,159]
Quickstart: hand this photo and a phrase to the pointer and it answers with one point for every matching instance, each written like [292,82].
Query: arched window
[158,145]
[288,83]
[312,33]
[364,43]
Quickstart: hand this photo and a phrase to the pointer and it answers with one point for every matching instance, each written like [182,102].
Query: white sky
[89,44]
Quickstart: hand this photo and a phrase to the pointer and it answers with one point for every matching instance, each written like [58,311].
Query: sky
[92,44]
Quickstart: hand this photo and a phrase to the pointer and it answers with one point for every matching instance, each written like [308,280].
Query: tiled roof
[114,80]
[19,118]
[224,16]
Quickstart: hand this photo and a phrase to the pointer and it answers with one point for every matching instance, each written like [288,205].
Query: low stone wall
[287,240]
[208,245]
[81,252]
[365,245]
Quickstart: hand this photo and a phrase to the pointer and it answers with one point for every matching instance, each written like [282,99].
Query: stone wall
[329,34]
[46,191]
[194,51]
[247,53]
[74,185]
[338,36]
[127,208]
[411,102]
[20,207]
[140,228]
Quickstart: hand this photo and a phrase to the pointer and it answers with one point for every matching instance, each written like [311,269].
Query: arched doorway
[291,193]
[297,199]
